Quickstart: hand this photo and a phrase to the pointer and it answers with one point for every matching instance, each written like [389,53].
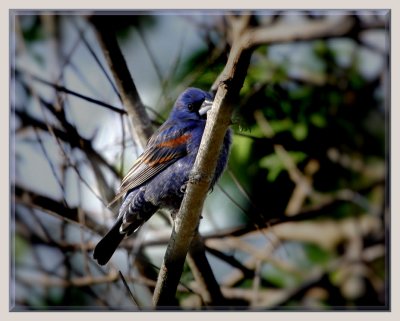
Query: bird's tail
[108,244]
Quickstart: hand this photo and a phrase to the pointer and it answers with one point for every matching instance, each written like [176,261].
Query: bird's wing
[166,146]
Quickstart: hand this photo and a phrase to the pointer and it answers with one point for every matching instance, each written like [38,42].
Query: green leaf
[317,120]
[281,125]
[275,166]
[298,156]
[241,148]
[280,278]
[316,254]
[300,131]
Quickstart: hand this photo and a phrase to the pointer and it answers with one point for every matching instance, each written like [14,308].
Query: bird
[158,178]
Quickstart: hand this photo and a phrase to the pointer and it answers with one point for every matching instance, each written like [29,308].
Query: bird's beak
[205,107]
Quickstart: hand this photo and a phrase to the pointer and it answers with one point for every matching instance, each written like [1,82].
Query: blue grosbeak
[158,177]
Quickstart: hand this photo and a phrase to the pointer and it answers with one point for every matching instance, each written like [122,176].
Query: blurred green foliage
[332,115]
[342,114]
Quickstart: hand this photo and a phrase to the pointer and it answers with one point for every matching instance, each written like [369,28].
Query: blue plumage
[158,177]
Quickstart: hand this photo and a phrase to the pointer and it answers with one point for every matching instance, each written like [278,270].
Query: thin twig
[71,92]
[128,290]
[97,60]
[209,288]
[140,122]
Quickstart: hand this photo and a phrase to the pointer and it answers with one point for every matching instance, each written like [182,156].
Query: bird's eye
[194,106]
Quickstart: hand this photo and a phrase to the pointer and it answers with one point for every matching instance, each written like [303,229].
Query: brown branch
[326,205]
[97,60]
[230,259]
[140,122]
[83,281]
[208,286]
[188,217]
[68,91]
[71,137]
[256,284]
[55,207]
[307,30]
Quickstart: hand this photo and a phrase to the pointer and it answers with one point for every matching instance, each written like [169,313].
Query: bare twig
[55,207]
[230,259]
[140,121]
[330,26]
[256,284]
[303,183]
[128,289]
[94,55]
[209,288]
[77,281]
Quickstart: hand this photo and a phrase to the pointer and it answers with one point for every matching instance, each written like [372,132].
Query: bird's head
[193,104]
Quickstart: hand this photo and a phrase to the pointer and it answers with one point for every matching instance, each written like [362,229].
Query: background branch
[139,120]
[208,286]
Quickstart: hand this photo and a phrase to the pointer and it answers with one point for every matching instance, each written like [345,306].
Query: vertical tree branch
[218,121]
[139,120]
[203,274]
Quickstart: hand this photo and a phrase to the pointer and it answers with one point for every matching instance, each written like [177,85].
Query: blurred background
[300,219]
